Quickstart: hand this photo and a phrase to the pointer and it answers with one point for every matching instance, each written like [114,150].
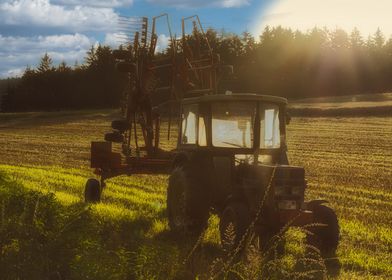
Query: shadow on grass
[40,239]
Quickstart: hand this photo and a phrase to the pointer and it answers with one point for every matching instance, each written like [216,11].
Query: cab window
[189,124]
[269,127]
[202,141]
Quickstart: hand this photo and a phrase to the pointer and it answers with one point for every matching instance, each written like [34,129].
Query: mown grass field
[376,104]
[348,162]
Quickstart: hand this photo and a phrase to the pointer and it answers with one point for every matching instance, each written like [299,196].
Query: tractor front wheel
[92,191]
[325,236]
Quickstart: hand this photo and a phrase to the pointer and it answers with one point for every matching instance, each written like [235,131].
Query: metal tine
[129,27]
[128,31]
[125,33]
[122,37]
[134,26]
[122,40]
[132,19]
[130,24]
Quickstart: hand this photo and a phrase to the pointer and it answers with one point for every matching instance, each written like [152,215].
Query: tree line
[282,62]
[94,84]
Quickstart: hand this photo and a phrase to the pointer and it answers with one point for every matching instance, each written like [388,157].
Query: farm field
[376,104]
[348,161]
[346,101]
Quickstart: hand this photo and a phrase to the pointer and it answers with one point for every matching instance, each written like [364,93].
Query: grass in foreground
[348,161]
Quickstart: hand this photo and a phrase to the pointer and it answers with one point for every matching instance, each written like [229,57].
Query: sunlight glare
[366,15]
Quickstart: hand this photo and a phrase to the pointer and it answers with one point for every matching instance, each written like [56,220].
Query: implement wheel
[92,191]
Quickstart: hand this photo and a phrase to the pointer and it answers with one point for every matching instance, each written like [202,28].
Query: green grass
[348,161]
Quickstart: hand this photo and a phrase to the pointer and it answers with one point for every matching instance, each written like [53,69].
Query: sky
[66,29]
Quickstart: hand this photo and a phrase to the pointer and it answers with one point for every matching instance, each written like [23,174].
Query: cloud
[94,3]
[201,3]
[43,13]
[111,39]
[162,43]
[234,3]
[116,39]
[18,52]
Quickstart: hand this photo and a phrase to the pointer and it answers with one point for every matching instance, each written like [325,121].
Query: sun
[366,15]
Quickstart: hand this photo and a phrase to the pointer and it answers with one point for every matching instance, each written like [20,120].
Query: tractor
[231,155]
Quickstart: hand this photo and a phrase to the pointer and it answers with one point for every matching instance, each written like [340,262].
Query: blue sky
[66,29]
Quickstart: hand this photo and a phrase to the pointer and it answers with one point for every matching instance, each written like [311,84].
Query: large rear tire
[187,206]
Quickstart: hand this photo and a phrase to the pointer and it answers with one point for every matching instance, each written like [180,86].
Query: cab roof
[235,97]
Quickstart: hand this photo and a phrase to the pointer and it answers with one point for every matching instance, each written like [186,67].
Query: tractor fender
[311,204]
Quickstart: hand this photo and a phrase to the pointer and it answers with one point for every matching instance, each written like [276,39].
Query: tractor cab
[231,159]
[249,127]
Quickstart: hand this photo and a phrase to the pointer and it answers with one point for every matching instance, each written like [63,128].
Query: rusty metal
[191,70]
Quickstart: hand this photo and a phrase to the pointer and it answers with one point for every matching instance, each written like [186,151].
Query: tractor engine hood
[285,185]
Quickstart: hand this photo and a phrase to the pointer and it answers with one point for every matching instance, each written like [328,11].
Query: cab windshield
[232,124]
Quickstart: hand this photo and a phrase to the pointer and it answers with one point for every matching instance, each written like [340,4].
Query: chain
[249,229]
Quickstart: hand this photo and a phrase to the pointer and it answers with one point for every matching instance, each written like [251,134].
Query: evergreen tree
[356,40]
[45,65]
[378,39]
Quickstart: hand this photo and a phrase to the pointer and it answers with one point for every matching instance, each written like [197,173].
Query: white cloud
[118,38]
[234,3]
[21,44]
[162,42]
[366,15]
[43,13]
[18,52]
[201,3]
[94,3]
[15,72]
